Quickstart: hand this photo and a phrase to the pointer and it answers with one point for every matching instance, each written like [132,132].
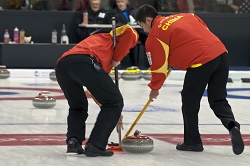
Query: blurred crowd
[221,6]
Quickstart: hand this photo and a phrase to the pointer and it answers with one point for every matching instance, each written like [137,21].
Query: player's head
[145,15]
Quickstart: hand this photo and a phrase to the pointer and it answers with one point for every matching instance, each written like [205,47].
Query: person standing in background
[96,15]
[124,13]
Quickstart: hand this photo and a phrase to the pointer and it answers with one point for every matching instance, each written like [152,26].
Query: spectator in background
[33,4]
[80,5]
[13,4]
[124,13]
[244,7]
[27,4]
[240,6]
[235,4]
[96,15]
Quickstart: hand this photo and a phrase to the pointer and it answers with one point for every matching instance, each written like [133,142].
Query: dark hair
[145,11]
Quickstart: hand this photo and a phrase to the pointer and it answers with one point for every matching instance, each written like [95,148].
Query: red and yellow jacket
[181,41]
[102,48]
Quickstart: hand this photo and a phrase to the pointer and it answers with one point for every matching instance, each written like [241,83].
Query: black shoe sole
[192,148]
[237,141]
[74,150]
[92,151]
[71,150]
[93,154]
[74,146]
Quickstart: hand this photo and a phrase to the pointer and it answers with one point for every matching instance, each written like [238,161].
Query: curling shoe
[195,148]
[92,151]
[237,142]
[74,146]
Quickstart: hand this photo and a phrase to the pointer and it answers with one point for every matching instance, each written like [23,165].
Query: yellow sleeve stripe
[164,67]
[196,65]
[120,30]
[136,34]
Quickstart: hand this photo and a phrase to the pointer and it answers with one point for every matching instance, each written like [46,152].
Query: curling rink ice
[36,137]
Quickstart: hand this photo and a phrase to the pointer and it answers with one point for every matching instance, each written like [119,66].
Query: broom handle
[137,119]
[116,71]
[114,41]
[143,110]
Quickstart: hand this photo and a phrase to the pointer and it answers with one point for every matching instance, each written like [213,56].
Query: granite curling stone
[245,80]
[132,73]
[4,73]
[44,101]
[147,75]
[52,76]
[137,143]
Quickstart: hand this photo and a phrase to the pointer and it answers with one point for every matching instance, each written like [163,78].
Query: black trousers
[74,72]
[135,50]
[214,75]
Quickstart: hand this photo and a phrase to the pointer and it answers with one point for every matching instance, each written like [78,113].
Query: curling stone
[245,80]
[132,73]
[229,79]
[52,76]
[137,143]
[112,74]
[41,101]
[147,75]
[4,73]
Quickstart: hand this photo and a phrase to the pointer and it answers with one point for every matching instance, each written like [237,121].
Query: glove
[119,124]
[114,63]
